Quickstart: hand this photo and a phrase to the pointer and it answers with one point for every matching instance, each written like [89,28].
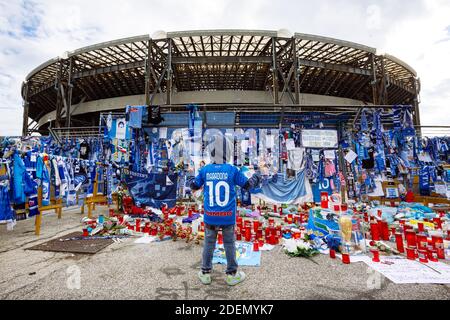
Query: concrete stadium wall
[199,97]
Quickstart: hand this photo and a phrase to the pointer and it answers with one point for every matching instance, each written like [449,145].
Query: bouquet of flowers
[299,248]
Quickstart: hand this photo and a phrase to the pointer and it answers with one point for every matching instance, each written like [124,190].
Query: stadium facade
[237,71]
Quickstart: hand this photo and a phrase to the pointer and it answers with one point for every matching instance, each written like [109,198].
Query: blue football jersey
[219,182]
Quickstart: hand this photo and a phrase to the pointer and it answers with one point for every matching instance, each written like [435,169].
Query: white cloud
[32,32]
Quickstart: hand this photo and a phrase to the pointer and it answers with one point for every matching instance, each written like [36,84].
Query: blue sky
[416,31]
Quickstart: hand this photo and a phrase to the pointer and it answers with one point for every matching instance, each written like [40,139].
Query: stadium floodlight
[64,55]
[160,34]
[284,33]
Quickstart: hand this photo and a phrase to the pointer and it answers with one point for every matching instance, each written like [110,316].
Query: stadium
[250,77]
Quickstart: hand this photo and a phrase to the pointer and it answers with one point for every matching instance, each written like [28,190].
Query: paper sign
[121,129]
[290,144]
[270,141]
[319,139]
[244,146]
[378,191]
[440,188]
[400,270]
[392,193]
[424,157]
[315,155]
[329,154]
[163,133]
[350,156]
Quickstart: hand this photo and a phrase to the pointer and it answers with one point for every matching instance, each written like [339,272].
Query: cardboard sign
[320,139]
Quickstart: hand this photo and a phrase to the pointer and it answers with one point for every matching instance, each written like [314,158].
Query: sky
[415,31]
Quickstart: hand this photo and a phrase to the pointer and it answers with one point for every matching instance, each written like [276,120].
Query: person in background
[219,182]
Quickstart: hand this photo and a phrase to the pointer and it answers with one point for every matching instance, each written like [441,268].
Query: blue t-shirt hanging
[134,114]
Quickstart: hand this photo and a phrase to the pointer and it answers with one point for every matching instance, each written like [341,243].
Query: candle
[376,255]
[255,225]
[138,225]
[432,254]
[324,200]
[290,217]
[399,242]
[220,238]
[423,256]
[410,238]
[422,242]
[255,246]
[332,254]
[421,227]
[384,230]
[411,253]
[374,231]
[346,258]
[85,232]
[438,223]
[438,244]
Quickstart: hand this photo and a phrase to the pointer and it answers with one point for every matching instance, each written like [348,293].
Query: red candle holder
[336,208]
[411,253]
[438,223]
[324,200]
[344,207]
[85,232]
[332,254]
[376,255]
[379,214]
[384,230]
[399,242]
[290,218]
[238,237]
[432,255]
[220,238]
[138,225]
[410,236]
[274,208]
[255,225]
[346,258]
[255,246]
[423,257]
[374,230]
[438,243]
[271,222]
[420,225]
[111,212]
[422,242]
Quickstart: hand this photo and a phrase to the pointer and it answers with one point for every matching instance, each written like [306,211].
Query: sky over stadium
[415,31]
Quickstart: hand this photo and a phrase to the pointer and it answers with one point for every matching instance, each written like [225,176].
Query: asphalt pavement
[168,270]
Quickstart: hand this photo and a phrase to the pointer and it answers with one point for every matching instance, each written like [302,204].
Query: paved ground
[168,270]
